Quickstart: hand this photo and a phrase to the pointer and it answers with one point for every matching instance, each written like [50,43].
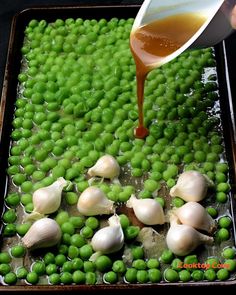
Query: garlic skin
[195,215]
[105,167]
[93,201]
[148,211]
[47,199]
[43,233]
[191,186]
[109,239]
[182,239]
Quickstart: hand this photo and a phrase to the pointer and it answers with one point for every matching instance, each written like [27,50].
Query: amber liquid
[155,41]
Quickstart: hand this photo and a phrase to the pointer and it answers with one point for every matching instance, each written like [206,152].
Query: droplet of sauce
[153,42]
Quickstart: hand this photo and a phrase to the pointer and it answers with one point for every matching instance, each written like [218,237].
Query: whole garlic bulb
[106,167]
[191,186]
[148,211]
[47,199]
[93,201]
[109,239]
[182,239]
[43,233]
[195,215]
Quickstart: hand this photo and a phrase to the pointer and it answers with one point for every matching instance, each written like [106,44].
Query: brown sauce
[155,41]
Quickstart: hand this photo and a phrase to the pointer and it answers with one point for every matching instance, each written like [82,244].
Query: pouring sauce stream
[152,43]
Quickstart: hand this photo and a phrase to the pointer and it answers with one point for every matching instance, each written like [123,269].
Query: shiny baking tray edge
[9,92]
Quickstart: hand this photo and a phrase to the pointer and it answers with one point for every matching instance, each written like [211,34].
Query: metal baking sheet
[9,95]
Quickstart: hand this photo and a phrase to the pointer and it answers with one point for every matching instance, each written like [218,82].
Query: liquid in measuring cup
[154,42]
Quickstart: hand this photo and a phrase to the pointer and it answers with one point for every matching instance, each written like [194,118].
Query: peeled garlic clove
[47,199]
[43,233]
[182,239]
[109,239]
[191,186]
[148,211]
[195,215]
[106,167]
[93,201]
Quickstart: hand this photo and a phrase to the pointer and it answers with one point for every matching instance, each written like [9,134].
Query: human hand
[233,17]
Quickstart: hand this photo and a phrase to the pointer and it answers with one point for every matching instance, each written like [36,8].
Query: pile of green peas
[73,107]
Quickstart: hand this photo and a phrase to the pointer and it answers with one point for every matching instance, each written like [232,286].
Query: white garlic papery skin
[148,211]
[191,186]
[109,239]
[182,239]
[106,167]
[195,215]
[43,233]
[93,201]
[47,199]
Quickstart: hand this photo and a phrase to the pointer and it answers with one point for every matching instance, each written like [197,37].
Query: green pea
[62,217]
[67,266]
[89,266]
[167,256]
[139,264]
[137,252]
[230,264]
[54,279]
[32,278]
[225,222]
[177,202]
[9,216]
[212,212]
[10,278]
[154,275]
[223,187]
[86,251]
[92,222]
[103,263]
[78,277]
[21,272]
[71,198]
[119,266]
[51,269]
[39,268]
[9,230]
[131,232]
[60,259]
[222,274]
[131,275]
[87,232]
[222,234]
[90,278]
[221,197]
[67,227]
[124,221]
[197,275]
[171,275]
[110,277]
[153,263]
[151,185]
[18,251]
[12,200]
[5,257]
[4,269]
[184,275]
[49,258]
[142,276]
[228,253]
[77,221]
